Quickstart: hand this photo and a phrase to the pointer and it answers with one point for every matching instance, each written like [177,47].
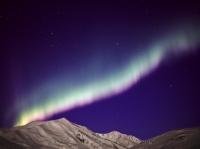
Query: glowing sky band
[138,67]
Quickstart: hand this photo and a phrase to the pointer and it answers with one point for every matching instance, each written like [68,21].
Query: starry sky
[131,66]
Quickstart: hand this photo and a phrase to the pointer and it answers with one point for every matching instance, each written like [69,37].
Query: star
[52,33]
[171,85]
[117,44]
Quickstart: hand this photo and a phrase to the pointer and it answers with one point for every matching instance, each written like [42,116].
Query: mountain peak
[61,133]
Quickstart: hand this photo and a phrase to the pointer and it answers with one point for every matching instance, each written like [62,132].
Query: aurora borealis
[141,65]
[123,65]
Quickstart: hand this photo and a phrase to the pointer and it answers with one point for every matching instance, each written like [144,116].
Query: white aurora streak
[141,65]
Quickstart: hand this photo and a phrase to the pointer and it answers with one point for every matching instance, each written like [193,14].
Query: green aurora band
[172,45]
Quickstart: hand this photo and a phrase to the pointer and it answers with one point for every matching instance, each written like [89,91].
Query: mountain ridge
[63,134]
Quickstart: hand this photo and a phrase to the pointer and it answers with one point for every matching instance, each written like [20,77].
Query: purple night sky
[64,45]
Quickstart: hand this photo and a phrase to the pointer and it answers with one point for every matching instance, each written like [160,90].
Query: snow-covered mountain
[63,134]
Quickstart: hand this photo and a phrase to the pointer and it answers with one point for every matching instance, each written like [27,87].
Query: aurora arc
[144,63]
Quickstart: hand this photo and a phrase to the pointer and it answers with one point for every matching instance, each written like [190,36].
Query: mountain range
[63,134]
